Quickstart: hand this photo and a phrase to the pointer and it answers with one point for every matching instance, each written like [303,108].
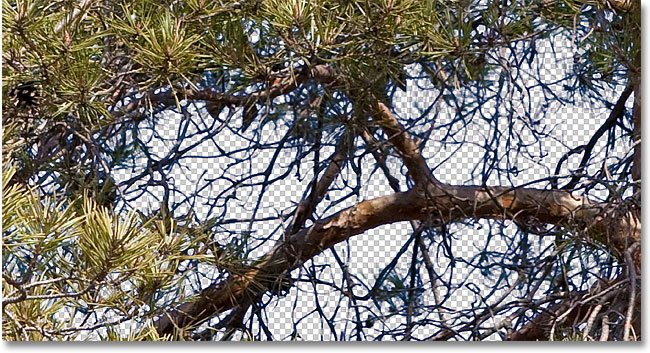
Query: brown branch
[580,308]
[404,144]
[295,250]
[384,117]
[540,327]
[452,203]
[305,209]
[216,101]
[632,276]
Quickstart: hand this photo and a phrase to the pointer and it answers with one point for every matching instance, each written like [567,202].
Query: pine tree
[315,87]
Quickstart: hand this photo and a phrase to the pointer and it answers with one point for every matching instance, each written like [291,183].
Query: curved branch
[447,203]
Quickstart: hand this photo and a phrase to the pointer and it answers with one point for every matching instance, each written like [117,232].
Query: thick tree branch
[447,204]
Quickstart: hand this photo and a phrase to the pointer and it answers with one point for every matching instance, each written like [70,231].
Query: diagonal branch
[307,206]
[216,101]
[401,139]
[614,116]
[603,297]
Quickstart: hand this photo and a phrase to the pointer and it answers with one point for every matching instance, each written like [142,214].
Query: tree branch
[430,199]
[614,116]
[307,206]
[448,204]
[401,139]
